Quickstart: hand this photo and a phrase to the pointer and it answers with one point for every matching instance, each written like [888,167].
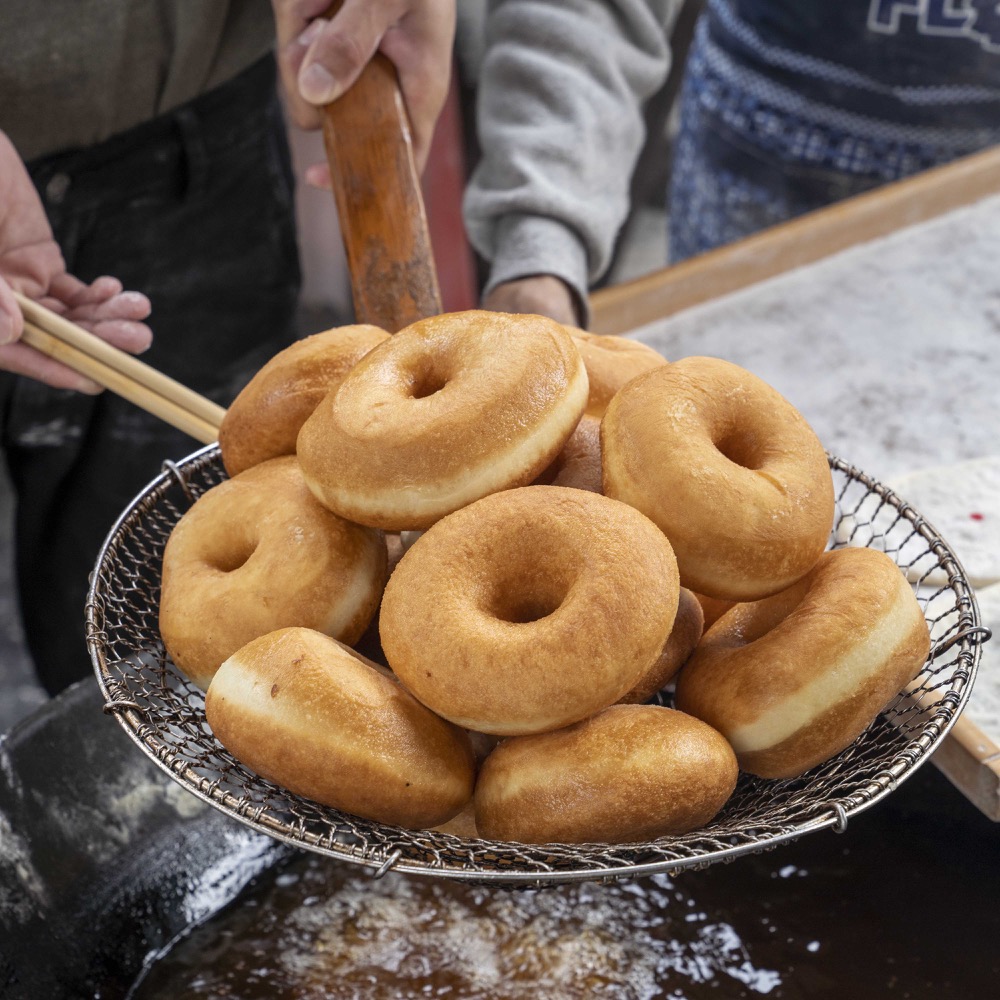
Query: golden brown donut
[629,773]
[793,679]
[611,362]
[256,553]
[448,410]
[679,646]
[713,608]
[264,419]
[309,714]
[578,465]
[729,470]
[529,609]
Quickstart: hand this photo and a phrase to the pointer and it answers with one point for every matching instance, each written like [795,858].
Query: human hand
[543,294]
[32,264]
[319,57]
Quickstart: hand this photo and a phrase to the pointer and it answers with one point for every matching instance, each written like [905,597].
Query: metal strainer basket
[164,714]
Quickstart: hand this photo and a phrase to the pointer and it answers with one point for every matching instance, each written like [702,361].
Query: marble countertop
[891,350]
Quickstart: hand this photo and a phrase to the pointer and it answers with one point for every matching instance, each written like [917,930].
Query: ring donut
[680,644]
[256,553]
[308,713]
[446,411]
[529,609]
[263,421]
[795,678]
[578,465]
[729,470]
[627,774]
[611,362]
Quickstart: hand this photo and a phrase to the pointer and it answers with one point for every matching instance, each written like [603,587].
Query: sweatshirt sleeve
[560,122]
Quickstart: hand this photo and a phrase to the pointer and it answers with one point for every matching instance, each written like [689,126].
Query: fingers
[11,321]
[104,309]
[292,18]
[318,175]
[337,50]
[320,58]
[420,46]
[24,360]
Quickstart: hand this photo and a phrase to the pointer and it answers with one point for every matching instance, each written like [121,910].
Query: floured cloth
[961,502]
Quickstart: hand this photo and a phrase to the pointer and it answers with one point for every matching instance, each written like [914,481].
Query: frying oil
[320,931]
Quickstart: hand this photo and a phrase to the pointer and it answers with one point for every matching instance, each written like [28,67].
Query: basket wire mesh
[164,713]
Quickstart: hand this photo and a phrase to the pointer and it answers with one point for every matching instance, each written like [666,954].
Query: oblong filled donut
[256,553]
[308,713]
[529,609]
[729,470]
[627,774]
[264,420]
[446,411]
[795,678]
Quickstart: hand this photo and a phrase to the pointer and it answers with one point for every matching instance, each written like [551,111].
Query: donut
[611,362]
[578,465]
[264,419]
[630,773]
[446,411]
[795,678]
[258,552]
[309,714]
[529,609]
[729,470]
[713,608]
[679,646]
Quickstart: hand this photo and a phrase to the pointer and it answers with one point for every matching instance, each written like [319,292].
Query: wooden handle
[377,190]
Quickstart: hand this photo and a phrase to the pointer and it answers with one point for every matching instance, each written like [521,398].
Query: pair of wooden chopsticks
[120,372]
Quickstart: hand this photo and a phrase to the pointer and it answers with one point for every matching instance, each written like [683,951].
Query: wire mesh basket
[165,714]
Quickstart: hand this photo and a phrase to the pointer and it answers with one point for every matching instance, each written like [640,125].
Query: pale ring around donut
[313,716]
[446,411]
[256,553]
[795,678]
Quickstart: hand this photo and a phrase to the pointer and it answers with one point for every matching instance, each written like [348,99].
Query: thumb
[11,320]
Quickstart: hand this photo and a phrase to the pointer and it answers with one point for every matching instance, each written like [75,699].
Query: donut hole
[230,560]
[741,448]
[427,380]
[520,602]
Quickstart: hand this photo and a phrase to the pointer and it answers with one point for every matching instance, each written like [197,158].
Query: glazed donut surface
[256,553]
[529,609]
[308,713]
[611,362]
[729,470]
[795,678]
[448,410]
[265,418]
[627,774]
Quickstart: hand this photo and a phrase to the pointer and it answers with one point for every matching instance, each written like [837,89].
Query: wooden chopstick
[120,372]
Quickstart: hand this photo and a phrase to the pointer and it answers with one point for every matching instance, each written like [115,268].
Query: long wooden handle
[376,186]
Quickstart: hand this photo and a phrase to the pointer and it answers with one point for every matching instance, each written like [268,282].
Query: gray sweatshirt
[560,125]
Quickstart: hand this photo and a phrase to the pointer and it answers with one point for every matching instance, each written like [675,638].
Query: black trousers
[196,210]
